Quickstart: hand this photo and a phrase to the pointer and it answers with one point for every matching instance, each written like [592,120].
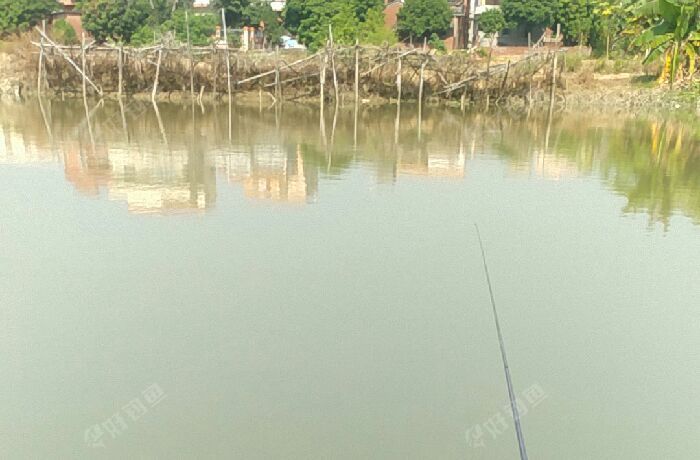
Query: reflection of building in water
[433,163]
[15,150]
[547,166]
[268,172]
[148,181]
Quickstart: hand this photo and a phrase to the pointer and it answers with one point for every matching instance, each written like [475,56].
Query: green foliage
[492,22]
[202,27]
[114,20]
[350,20]
[576,19]
[532,14]
[17,15]
[673,33]
[64,33]
[420,19]
[610,18]
[234,11]
[145,35]
[436,43]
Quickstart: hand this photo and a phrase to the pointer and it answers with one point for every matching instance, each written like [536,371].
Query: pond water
[213,283]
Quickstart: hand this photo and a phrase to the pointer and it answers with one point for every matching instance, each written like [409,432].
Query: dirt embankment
[14,75]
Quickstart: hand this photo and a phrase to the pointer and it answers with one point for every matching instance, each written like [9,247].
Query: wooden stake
[278,87]
[189,50]
[552,90]
[420,89]
[41,60]
[228,56]
[82,61]
[155,80]
[399,71]
[322,78]
[357,72]
[120,63]
[332,53]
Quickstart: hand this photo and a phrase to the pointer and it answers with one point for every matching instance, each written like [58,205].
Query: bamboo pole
[41,61]
[228,55]
[322,78]
[399,71]
[155,80]
[278,87]
[552,90]
[421,83]
[82,66]
[332,54]
[120,63]
[189,51]
[67,58]
[357,72]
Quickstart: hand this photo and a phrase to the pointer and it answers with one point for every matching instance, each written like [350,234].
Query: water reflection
[170,158]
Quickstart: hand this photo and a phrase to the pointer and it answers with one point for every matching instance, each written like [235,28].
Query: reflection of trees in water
[282,155]
[654,164]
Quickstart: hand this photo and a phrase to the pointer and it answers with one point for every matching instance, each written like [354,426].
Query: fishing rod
[509,382]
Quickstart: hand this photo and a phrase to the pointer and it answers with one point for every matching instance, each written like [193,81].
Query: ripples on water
[174,160]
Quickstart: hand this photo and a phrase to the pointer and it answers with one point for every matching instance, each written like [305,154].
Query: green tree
[202,27]
[532,14]
[234,10]
[114,19]
[419,19]
[491,22]
[576,19]
[350,20]
[64,33]
[18,15]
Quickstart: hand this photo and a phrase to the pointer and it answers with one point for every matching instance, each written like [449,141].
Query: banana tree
[674,33]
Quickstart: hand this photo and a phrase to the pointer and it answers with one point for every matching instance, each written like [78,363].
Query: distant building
[465,17]
[70,14]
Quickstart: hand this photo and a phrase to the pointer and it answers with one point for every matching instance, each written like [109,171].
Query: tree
[674,34]
[491,22]
[350,20]
[64,33]
[234,11]
[420,19]
[609,20]
[114,19]
[576,19]
[532,14]
[18,15]
[202,27]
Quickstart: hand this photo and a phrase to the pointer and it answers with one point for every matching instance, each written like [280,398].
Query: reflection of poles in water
[230,121]
[354,129]
[160,123]
[46,121]
[335,122]
[506,368]
[89,124]
[82,61]
[397,123]
[123,115]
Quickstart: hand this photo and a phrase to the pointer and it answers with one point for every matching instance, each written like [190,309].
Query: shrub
[64,33]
